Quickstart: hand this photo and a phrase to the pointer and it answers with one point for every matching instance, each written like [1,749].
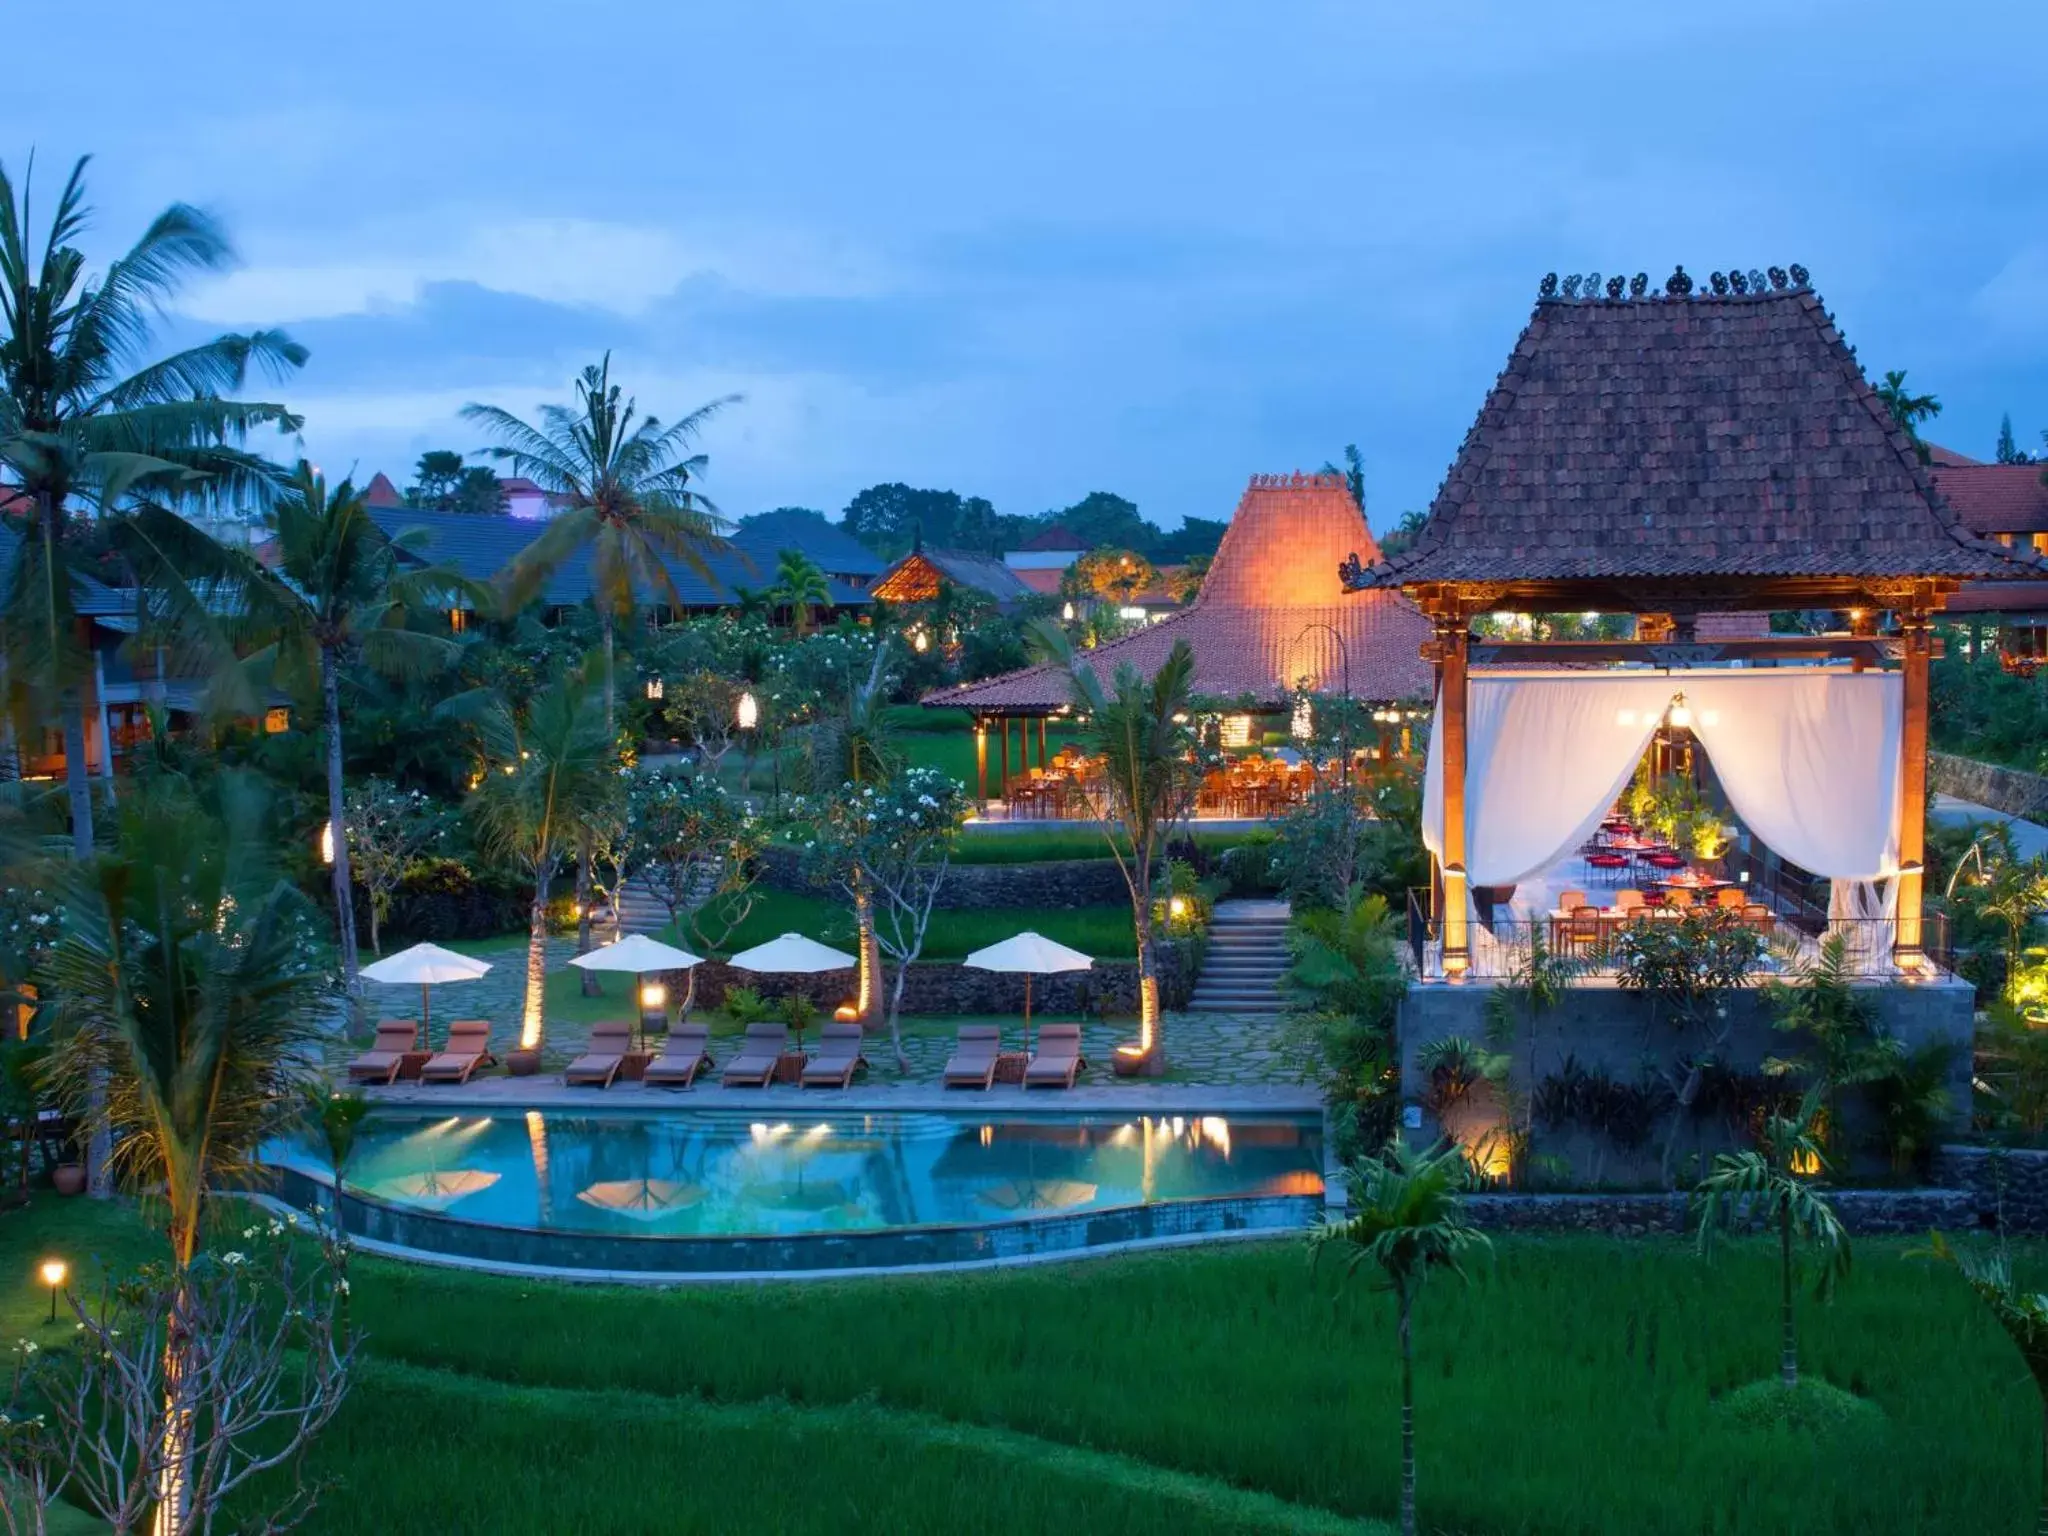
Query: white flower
[232,1259]
[25,1347]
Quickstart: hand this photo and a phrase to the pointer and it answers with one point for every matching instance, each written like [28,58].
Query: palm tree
[1908,410]
[857,746]
[1775,1183]
[187,1016]
[627,484]
[339,594]
[85,425]
[1141,732]
[1353,473]
[548,775]
[2022,1314]
[801,586]
[1407,1219]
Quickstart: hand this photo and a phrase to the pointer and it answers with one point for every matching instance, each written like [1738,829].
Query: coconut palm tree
[1152,767]
[800,586]
[338,593]
[1908,410]
[188,1012]
[627,484]
[86,424]
[1353,471]
[549,773]
[2022,1314]
[1775,1183]
[1407,1220]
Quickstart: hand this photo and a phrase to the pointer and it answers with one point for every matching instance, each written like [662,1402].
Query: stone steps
[1244,961]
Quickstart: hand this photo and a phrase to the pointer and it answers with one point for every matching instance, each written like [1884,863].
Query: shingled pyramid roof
[1257,629]
[1724,435]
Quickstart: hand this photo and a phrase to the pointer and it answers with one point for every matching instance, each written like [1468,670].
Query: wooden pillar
[981,760]
[1041,741]
[1003,725]
[1862,624]
[1453,637]
[1916,628]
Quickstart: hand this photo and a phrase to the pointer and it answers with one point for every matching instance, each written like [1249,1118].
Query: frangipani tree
[893,845]
[1407,1220]
[694,841]
[1774,1184]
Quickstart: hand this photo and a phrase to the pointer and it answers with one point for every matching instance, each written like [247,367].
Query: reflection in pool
[728,1173]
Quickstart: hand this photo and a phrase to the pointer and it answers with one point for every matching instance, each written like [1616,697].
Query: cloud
[583,263]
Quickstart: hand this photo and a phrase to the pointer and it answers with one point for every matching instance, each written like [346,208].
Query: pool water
[731,1173]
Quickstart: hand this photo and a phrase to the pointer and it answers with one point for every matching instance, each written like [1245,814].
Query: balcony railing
[1792,937]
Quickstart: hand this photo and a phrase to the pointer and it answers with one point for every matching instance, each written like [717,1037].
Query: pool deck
[1136,1097]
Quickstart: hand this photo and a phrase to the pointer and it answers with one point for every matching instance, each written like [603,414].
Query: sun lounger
[838,1058]
[380,1063]
[468,1047]
[683,1056]
[1057,1061]
[754,1066]
[973,1063]
[602,1058]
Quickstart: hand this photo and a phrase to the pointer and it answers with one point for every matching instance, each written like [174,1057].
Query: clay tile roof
[1995,498]
[1257,629]
[380,492]
[1056,538]
[1728,435]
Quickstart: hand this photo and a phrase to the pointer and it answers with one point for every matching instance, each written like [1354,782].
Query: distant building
[917,577]
[823,542]
[1051,551]
[2009,503]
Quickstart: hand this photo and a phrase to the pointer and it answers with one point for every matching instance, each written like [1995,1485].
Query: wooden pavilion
[1671,454]
[1272,619]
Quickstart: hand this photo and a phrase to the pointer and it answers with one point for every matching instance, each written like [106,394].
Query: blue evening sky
[1028,251]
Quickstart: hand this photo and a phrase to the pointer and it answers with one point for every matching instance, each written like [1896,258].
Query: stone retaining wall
[1871,1211]
[2011,790]
[1057,885]
[945,987]
[2008,1187]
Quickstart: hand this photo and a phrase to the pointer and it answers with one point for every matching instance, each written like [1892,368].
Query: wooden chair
[1730,898]
[1569,902]
[1678,898]
[1628,900]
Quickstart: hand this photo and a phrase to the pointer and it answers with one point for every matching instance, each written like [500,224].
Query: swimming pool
[729,1190]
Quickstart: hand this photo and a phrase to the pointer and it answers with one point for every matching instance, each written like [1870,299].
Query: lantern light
[748,714]
[656,687]
[1067,612]
[327,843]
[54,1272]
[919,640]
[654,995]
[1681,713]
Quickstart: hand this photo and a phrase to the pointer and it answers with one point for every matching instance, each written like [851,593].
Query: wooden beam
[1453,637]
[1913,788]
[1677,654]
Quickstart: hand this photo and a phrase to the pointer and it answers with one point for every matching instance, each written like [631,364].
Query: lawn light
[748,712]
[54,1272]
[327,843]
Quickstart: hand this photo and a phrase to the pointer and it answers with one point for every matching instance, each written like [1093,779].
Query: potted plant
[523,1061]
[69,1178]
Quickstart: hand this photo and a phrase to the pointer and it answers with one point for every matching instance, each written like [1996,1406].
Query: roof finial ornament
[1757,281]
[1547,289]
[1737,281]
[1778,278]
[1571,286]
[1800,276]
[1719,282]
[1350,572]
[1614,287]
[1638,285]
[1591,287]
[1678,285]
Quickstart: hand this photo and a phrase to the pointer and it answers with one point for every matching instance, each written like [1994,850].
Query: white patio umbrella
[1034,955]
[793,955]
[423,966]
[637,954]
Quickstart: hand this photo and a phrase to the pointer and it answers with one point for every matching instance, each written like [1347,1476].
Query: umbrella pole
[1027,1013]
[426,1020]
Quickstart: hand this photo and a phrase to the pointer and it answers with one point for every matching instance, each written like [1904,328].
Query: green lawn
[1101,931]
[1572,1388]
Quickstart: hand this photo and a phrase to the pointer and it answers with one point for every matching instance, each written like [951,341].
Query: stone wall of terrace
[2010,790]
[1056,885]
[1606,1029]
[946,987]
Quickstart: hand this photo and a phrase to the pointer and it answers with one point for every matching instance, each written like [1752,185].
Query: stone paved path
[1204,1048]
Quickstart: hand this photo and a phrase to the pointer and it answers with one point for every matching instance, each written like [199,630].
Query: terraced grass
[1578,1386]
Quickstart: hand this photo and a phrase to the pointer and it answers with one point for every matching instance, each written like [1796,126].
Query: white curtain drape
[1545,757]
[1809,759]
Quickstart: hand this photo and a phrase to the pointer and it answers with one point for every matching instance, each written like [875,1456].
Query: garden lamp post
[1344,715]
[54,1272]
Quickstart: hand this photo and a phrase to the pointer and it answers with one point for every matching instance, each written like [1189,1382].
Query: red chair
[1605,866]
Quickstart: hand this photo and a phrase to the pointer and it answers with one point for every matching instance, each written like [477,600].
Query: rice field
[1575,1387]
